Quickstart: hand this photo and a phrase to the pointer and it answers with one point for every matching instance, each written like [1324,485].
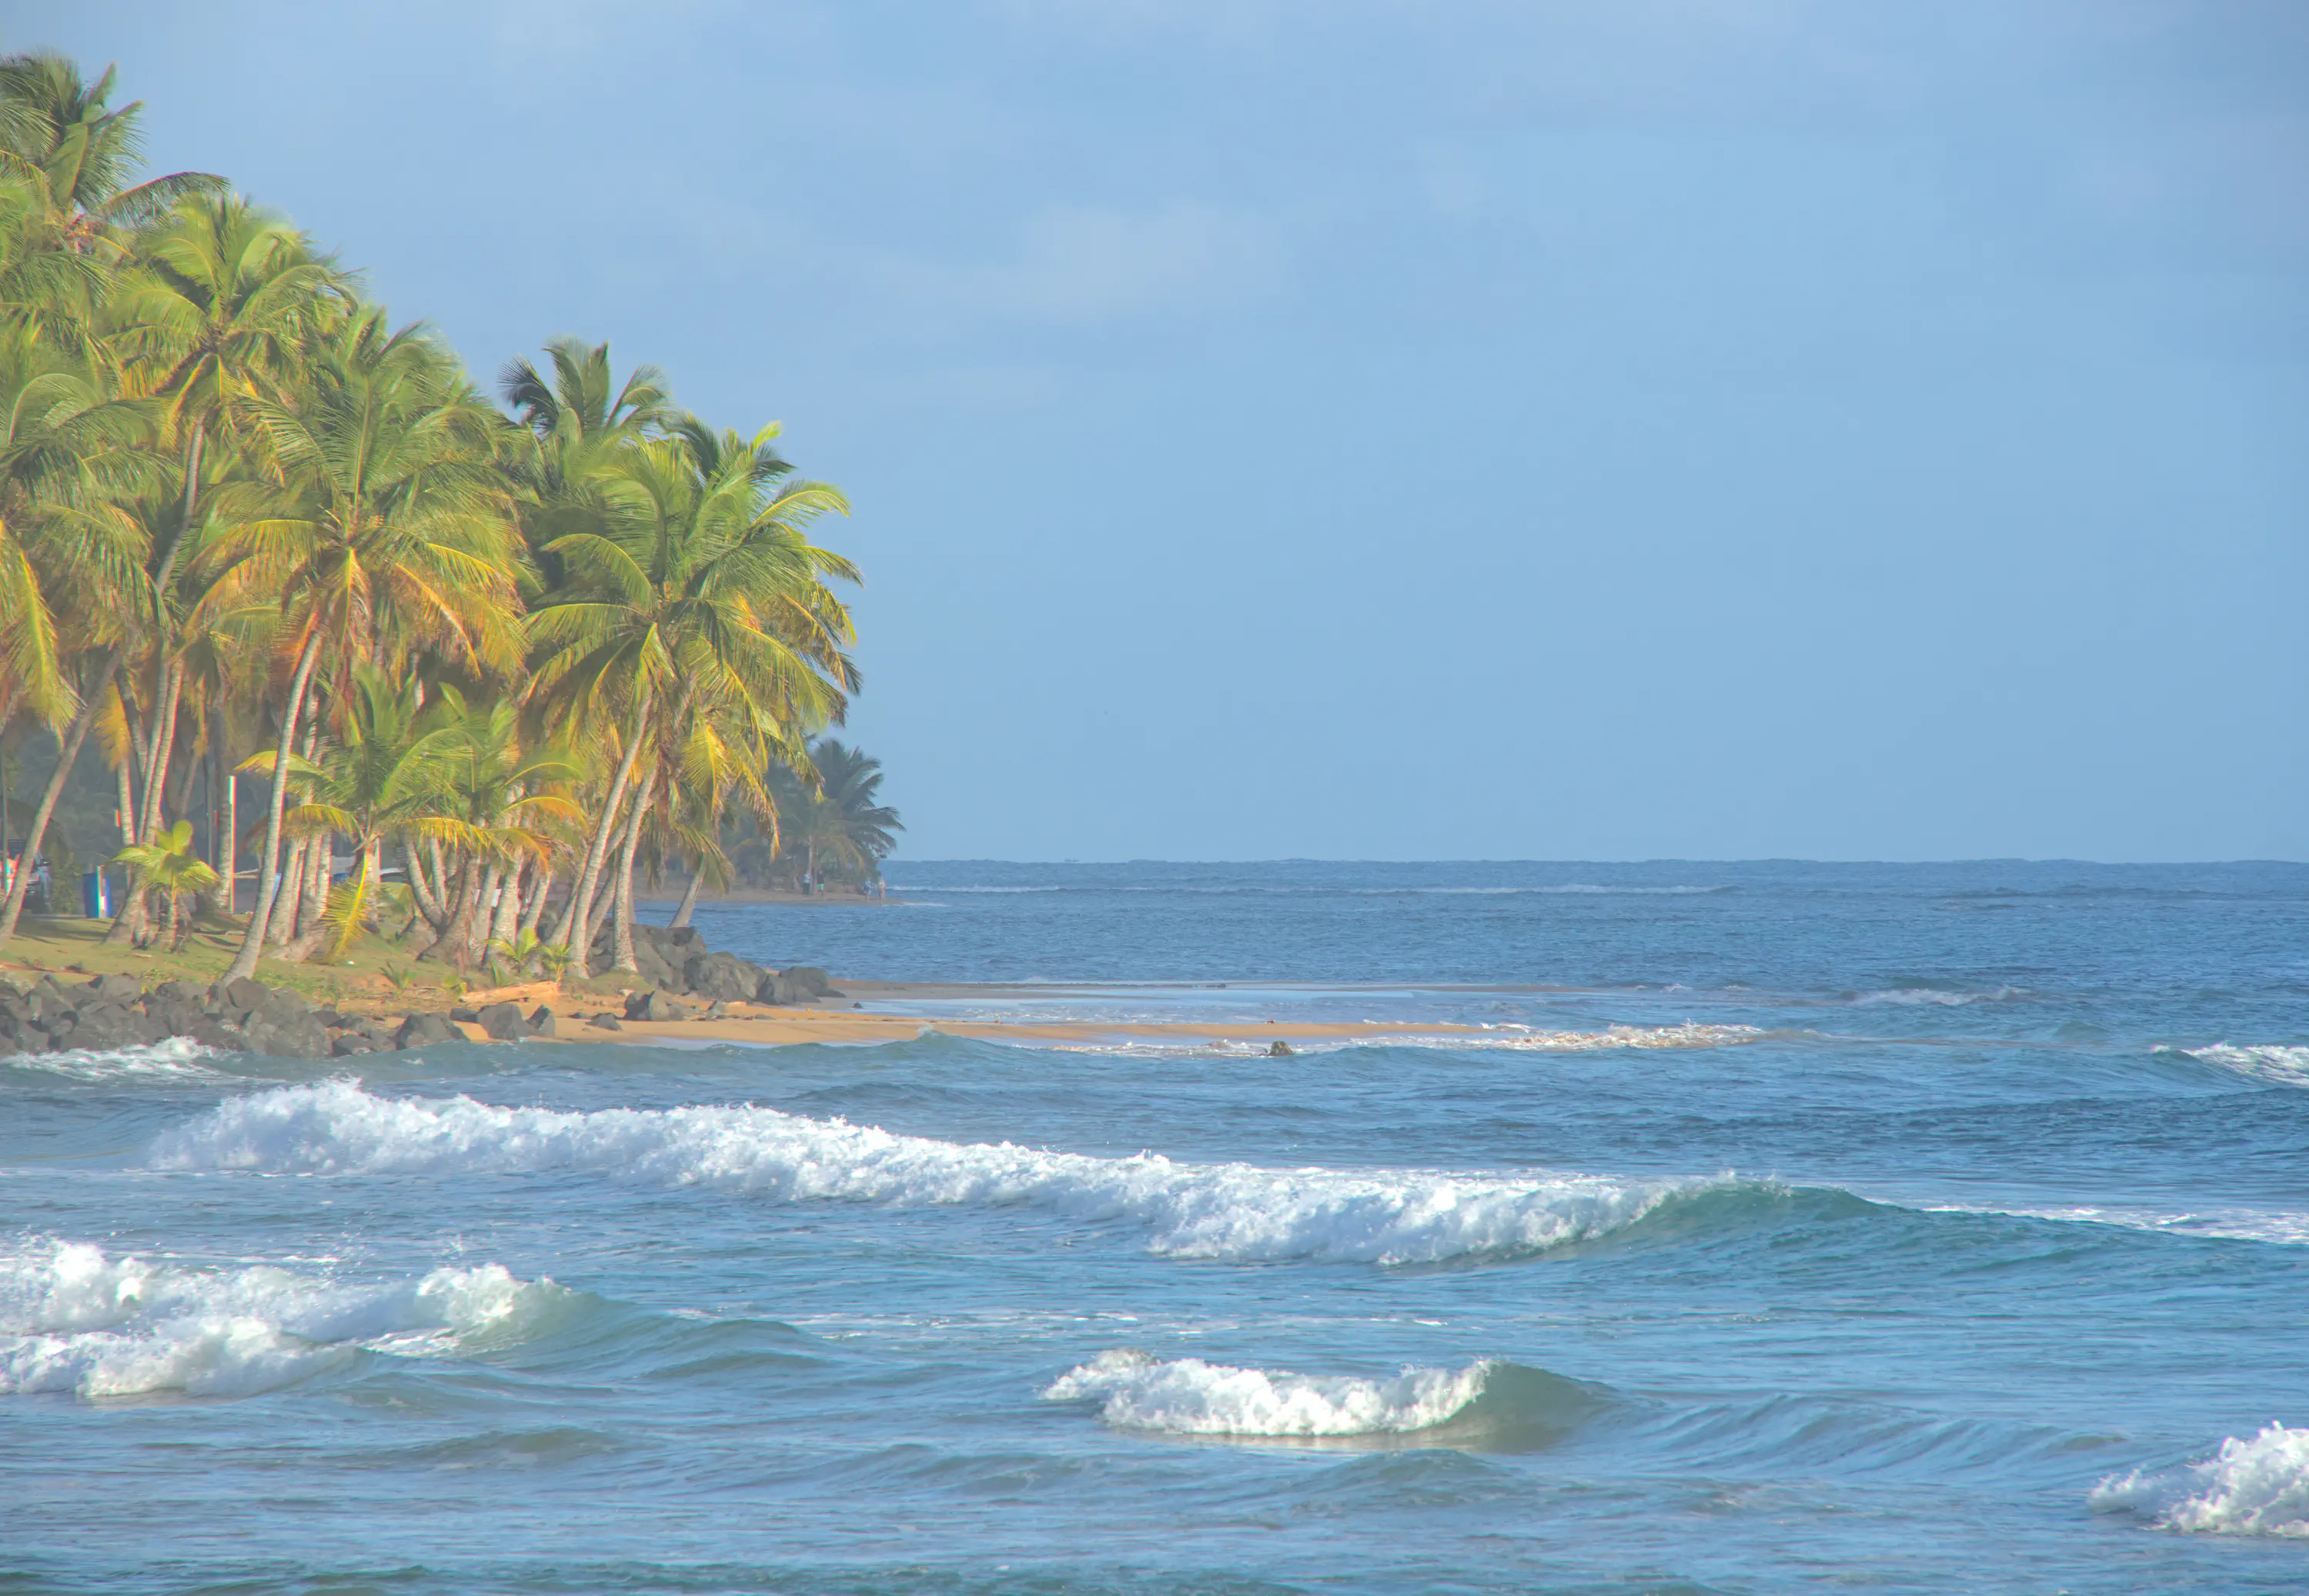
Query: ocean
[1788,1228]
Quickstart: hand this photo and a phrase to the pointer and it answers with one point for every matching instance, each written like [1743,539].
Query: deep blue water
[1967,1224]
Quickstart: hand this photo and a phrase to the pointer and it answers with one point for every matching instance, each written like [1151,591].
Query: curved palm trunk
[454,943]
[11,907]
[689,902]
[421,887]
[581,904]
[535,912]
[624,953]
[252,945]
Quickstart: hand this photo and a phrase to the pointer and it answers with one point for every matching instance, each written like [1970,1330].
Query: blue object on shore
[95,902]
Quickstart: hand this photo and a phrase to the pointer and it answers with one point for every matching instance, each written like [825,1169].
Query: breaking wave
[2288,1066]
[2256,1486]
[1237,1211]
[73,1319]
[1502,1404]
[175,1059]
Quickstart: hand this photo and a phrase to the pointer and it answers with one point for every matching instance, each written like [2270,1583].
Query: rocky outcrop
[248,1016]
[677,962]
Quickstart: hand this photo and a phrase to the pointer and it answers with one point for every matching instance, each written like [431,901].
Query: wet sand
[768,1026]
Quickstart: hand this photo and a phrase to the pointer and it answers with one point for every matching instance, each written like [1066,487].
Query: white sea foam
[2256,1486]
[2287,1065]
[1933,997]
[1205,1211]
[172,1058]
[1187,1396]
[1511,1037]
[1689,1034]
[2235,1224]
[74,1319]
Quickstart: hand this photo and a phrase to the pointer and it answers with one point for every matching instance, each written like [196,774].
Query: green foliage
[249,524]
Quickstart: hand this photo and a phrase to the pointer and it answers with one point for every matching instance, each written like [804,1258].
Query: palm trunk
[535,912]
[163,747]
[581,905]
[456,937]
[508,914]
[485,913]
[421,887]
[227,844]
[13,906]
[244,963]
[292,885]
[624,958]
[128,925]
[689,902]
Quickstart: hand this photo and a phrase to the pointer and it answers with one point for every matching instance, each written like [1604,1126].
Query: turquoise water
[1959,1242]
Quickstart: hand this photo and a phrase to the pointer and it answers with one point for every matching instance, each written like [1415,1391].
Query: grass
[378,977]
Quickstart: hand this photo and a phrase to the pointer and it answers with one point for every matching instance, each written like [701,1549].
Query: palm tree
[385,531]
[167,864]
[699,586]
[55,129]
[505,799]
[387,776]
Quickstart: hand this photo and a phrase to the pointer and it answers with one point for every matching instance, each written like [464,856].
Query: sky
[1354,428]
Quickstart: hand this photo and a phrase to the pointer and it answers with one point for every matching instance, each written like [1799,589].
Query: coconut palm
[168,864]
[385,530]
[387,776]
[699,587]
[56,128]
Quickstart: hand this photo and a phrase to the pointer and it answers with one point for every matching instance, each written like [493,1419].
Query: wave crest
[2288,1066]
[172,1058]
[1236,1212]
[2255,1487]
[73,1319]
[1500,1403]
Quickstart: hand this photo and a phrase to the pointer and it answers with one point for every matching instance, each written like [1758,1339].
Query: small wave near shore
[1486,1403]
[74,1319]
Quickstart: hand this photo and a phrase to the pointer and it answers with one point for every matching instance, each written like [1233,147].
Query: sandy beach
[765,1026]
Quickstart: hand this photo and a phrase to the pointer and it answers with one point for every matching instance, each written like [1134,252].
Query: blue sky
[1345,428]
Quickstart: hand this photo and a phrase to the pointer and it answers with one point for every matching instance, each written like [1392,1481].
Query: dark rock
[688,938]
[654,1006]
[465,1016]
[181,992]
[177,1016]
[653,966]
[606,1022]
[116,988]
[243,995]
[278,1033]
[334,1019]
[501,1020]
[770,988]
[717,1010]
[421,1031]
[1278,1049]
[721,977]
[346,1046]
[541,1023]
[213,1032]
[807,980]
[106,1025]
